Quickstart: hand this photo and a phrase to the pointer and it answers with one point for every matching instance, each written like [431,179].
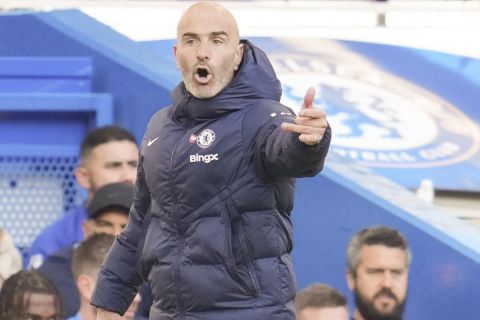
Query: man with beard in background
[378,261]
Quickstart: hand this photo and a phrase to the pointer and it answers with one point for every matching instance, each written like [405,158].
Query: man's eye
[102,224]
[374,272]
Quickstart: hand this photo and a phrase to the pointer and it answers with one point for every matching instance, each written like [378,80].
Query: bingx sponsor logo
[205,158]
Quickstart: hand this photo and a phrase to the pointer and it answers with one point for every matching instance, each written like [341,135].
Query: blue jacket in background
[62,233]
[210,227]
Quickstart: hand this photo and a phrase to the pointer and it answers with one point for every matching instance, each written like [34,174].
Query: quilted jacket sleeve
[280,154]
[118,280]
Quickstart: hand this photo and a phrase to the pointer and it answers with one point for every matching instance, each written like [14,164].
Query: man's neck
[87,311]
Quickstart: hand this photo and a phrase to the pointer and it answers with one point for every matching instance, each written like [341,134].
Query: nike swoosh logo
[150,142]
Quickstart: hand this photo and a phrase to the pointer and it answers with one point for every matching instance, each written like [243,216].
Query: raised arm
[311,121]
[290,146]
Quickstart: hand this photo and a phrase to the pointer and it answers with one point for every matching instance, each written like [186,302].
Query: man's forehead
[205,19]
[114,150]
[111,216]
[379,255]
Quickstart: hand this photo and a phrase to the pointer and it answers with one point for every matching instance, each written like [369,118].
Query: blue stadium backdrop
[399,115]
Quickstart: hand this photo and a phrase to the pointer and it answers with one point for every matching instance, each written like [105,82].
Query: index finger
[308,98]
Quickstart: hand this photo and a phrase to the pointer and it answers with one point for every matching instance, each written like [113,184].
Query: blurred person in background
[378,261]
[87,259]
[321,302]
[108,213]
[10,257]
[107,154]
[28,295]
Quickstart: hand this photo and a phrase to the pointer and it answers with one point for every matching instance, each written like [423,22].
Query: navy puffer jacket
[210,226]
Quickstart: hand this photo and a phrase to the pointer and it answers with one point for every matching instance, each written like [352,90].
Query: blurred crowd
[62,264]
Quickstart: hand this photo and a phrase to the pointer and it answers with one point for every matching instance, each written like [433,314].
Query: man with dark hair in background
[210,226]
[30,295]
[321,302]
[107,154]
[378,261]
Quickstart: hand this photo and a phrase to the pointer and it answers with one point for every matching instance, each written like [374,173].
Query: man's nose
[128,174]
[203,52]
[117,230]
[387,280]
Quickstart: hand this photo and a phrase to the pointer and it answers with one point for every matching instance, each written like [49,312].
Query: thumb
[308,98]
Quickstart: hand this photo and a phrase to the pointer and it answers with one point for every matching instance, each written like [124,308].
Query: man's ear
[350,279]
[85,285]
[238,56]
[81,174]
[175,55]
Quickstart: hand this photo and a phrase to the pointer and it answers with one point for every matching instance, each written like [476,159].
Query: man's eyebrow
[103,222]
[190,35]
[195,35]
[112,163]
[218,33]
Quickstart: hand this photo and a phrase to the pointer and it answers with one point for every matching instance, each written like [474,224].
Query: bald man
[210,227]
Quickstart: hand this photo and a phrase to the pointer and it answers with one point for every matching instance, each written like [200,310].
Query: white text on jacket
[207,158]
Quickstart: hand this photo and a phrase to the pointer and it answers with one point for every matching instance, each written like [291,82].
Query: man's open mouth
[202,75]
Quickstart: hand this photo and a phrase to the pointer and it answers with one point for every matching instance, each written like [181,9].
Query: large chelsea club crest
[378,119]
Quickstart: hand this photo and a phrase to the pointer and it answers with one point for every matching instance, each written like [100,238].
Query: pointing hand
[311,121]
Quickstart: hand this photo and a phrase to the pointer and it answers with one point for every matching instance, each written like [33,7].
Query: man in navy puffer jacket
[210,225]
